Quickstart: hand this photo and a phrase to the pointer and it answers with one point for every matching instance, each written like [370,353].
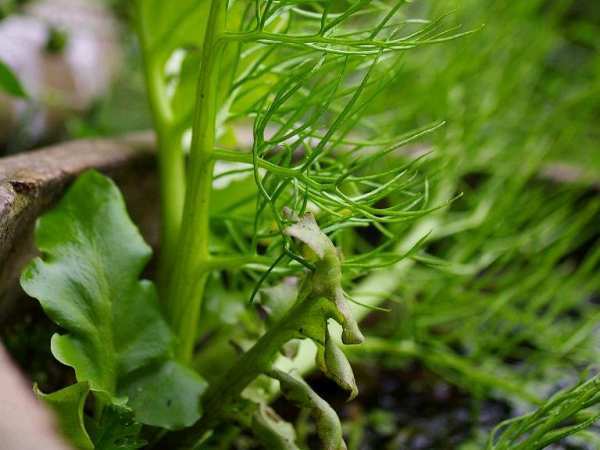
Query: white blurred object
[24,422]
[60,82]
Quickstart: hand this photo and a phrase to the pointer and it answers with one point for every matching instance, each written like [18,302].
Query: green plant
[9,83]
[567,412]
[510,312]
[306,74]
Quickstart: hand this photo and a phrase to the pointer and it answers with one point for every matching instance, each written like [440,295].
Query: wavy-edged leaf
[168,389]
[87,282]
[67,405]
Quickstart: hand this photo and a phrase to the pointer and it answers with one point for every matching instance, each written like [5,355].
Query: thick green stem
[172,193]
[256,361]
[170,156]
[188,276]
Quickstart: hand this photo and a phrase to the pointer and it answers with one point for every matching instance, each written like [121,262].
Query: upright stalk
[189,271]
[170,157]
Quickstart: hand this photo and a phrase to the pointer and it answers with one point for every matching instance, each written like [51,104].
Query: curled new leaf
[87,282]
[326,280]
[320,298]
[307,230]
[297,391]
[351,334]
[336,366]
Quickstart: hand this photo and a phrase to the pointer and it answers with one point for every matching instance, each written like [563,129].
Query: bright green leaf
[167,26]
[9,83]
[67,405]
[116,430]
[179,388]
[87,282]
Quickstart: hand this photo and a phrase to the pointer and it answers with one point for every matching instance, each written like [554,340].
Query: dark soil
[26,336]
[407,408]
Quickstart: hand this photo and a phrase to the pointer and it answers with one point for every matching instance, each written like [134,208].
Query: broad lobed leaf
[87,282]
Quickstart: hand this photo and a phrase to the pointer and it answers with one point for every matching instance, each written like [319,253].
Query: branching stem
[251,364]
[366,46]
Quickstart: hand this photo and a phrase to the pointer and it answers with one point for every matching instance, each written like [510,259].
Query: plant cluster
[294,202]
[512,312]
[305,74]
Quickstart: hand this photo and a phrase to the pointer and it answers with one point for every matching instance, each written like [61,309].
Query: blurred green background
[533,70]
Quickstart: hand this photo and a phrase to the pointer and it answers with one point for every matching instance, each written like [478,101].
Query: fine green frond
[565,413]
